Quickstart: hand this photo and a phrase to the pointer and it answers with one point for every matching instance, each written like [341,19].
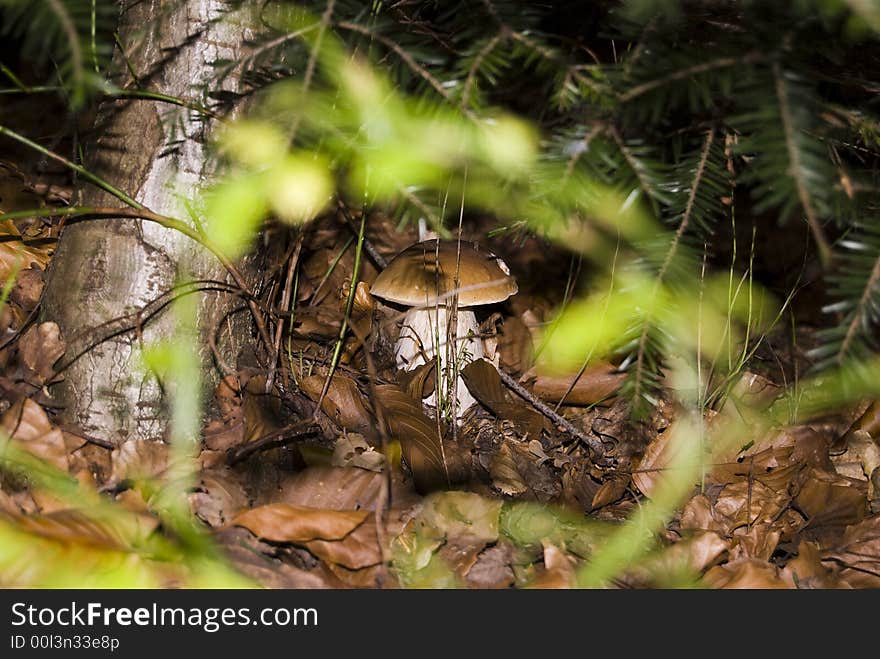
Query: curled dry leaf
[485,384]
[746,573]
[341,488]
[15,255]
[504,472]
[579,488]
[360,549]
[138,459]
[29,427]
[344,403]
[28,288]
[419,442]
[652,467]
[611,490]
[828,499]
[243,551]
[757,541]
[492,568]
[515,471]
[218,497]
[420,382]
[860,459]
[858,554]
[597,383]
[283,522]
[807,571]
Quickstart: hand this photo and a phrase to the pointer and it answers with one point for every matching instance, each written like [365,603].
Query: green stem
[14,78]
[343,329]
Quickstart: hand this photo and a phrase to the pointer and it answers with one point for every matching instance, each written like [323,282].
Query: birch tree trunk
[104,269]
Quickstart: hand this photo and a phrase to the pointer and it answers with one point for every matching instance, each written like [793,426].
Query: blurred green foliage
[625,157]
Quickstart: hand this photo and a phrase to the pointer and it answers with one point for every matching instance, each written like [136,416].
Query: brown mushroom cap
[424,275]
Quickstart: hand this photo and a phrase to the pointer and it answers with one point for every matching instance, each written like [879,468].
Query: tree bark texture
[105,269]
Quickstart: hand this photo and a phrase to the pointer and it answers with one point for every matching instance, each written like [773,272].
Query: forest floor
[307,486]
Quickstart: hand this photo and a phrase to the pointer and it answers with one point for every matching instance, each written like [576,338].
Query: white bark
[104,269]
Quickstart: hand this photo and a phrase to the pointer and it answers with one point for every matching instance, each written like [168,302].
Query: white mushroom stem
[425,329]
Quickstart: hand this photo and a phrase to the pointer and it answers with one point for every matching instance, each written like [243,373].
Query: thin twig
[343,328]
[97,441]
[281,437]
[292,264]
[594,444]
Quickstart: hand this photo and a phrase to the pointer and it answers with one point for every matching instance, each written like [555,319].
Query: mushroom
[434,277]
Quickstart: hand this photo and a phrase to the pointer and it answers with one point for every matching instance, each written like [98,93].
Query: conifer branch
[859,312]
[796,167]
[683,74]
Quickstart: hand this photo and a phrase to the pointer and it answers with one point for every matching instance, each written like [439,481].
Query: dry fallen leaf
[492,569]
[746,573]
[611,490]
[858,554]
[419,442]
[244,552]
[652,467]
[807,571]
[505,474]
[218,497]
[344,403]
[342,488]
[282,522]
[28,288]
[357,550]
[595,384]
[829,499]
[28,425]
[515,345]
[138,459]
[484,382]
